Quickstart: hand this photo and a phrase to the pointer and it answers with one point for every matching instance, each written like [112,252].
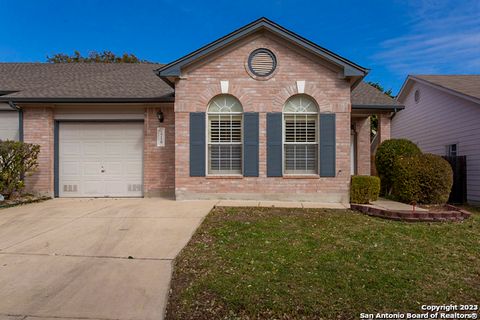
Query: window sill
[301,176]
[225,177]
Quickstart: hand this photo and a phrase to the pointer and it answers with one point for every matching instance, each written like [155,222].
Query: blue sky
[393,38]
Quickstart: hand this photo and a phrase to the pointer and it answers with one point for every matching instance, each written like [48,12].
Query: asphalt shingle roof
[82,80]
[468,85]
[43,81]
[365,94]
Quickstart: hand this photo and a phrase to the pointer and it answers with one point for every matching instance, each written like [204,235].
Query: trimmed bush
[385,158]
[364,189]
[424,178]
[17,159]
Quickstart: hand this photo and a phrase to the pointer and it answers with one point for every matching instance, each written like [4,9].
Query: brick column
[159,162]
[38,129]
[384,122]
[362,129]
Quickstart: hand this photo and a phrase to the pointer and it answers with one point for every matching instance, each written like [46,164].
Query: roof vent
[262,62]
[417,96]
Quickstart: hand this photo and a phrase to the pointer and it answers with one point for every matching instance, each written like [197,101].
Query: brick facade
[201,83]
[38,129]
[159,162]
[384,127]
[362,130]
[166,169]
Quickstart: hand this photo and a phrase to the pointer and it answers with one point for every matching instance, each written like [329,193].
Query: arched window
[300,135]
[225,115]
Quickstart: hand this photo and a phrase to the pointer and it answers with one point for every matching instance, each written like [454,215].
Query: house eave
[87,100]
[377,108]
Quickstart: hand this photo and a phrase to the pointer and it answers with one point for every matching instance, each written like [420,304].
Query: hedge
[364,189]
[424,178]
[17,159]
[385,157]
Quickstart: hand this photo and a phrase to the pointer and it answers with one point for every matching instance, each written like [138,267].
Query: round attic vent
[417,96]
[262,62]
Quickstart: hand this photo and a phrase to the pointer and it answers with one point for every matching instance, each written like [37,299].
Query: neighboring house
[442,116]
[261,113]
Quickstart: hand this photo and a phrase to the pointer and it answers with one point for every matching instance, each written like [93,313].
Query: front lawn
[267,263]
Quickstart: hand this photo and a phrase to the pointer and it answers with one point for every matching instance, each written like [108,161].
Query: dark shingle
[365,94]
[82,80]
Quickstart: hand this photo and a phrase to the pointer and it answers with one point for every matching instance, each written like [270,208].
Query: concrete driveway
[69,258]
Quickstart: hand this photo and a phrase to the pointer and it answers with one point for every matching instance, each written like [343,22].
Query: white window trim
[207,144]
[317,138]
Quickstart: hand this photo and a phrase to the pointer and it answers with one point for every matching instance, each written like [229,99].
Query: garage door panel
[132,169]
[92,169]
[87,148]
[92,148]
[132,149]
[93,189]
[71,168]
[71,149]
[114,169]
[114,148]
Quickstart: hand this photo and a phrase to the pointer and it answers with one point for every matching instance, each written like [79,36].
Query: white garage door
[9,125]
[101,159]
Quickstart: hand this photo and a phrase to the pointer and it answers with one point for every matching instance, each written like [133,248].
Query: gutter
[13,106]
[392,108]
[20,119]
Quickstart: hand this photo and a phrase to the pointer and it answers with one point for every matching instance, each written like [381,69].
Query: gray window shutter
[197,144]
[274,144]
[327,145]
[250,144]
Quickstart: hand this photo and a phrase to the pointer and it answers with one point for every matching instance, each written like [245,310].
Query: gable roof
[174,68]
[467,86]
[82,82]
[367,97]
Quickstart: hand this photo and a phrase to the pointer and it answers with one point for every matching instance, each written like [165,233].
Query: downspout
[20,119]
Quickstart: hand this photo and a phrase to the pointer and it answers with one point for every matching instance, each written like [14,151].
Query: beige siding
[440,119]
[9,124]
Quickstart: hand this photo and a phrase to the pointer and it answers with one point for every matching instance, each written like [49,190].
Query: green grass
[254,263]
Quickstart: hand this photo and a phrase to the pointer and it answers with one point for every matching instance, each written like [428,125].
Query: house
[261,113]
[442,116]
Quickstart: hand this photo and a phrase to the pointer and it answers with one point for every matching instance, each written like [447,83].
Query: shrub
[424,178]
[364,189]
[17,159]
[385,158]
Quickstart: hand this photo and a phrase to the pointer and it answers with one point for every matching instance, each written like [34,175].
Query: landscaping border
[451,213]
[19,202]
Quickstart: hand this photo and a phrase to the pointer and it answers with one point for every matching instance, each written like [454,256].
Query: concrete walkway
[395,206]
[68,259]
[281,204]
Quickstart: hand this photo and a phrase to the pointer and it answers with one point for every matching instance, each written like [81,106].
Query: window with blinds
[300,136]
[225,136]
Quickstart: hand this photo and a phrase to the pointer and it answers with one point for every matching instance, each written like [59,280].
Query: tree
[380,87]
[374,118]
[94,56]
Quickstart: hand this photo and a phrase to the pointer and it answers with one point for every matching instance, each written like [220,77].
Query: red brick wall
[202,83]
[159,162]
[38,129]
